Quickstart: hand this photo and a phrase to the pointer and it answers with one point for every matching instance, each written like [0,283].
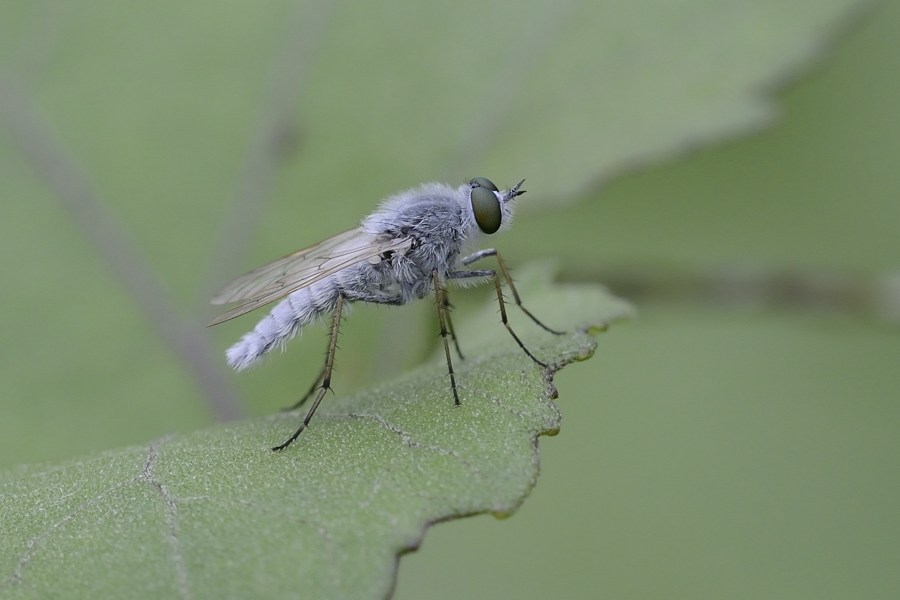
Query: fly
[410,247]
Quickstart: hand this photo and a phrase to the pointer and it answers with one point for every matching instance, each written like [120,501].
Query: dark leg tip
[289,441]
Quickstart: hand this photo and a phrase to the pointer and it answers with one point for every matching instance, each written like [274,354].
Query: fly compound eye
[486,207]
[485,183]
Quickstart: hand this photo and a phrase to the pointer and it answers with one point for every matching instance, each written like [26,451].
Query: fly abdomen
[289,316]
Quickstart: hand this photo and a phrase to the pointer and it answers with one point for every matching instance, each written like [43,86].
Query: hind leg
[326,374]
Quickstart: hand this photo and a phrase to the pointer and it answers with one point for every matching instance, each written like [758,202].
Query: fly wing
[250,285]
[301,269]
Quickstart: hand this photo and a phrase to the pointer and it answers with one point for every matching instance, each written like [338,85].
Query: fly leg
[326,374]
[468,260]
[441,302]
[448,308]
[308,394]
[493,275]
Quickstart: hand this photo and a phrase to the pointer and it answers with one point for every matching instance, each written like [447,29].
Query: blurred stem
[825,291]
[544,26]
[44,151]
[274,139]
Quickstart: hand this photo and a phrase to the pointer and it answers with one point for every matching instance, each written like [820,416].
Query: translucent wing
[302,268]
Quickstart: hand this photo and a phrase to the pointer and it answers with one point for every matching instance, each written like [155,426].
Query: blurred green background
[734,441]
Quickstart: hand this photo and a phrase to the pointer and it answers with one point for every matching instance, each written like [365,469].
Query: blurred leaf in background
[150,152]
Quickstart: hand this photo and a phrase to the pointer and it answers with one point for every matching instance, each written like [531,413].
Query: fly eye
[486,207]
[485,183]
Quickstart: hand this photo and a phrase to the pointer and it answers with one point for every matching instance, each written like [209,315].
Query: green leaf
[216,514]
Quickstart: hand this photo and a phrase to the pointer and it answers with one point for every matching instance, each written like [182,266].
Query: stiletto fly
[410,247]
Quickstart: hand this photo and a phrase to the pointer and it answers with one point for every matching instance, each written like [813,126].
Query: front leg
[493,275]
[468,260]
